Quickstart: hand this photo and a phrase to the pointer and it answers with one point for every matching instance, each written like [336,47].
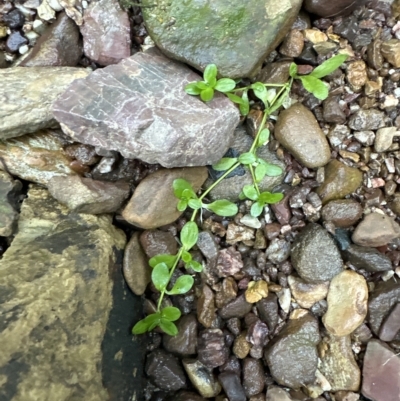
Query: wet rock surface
[261,26]
[9,191]
[44,251]
[139,119]
[30,93]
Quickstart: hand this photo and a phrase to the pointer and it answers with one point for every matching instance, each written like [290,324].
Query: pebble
[342,213]
[391,52]
[367,258]
[229,262]
[206,307]
[356,74]
[207,245]
[236,233]
[314,36]
[366,138]
[241,346]
[256,290]
[275,393]
[294,347]
[381,373]
[293,44]
[239,307]
[268,311]
[250,221]
[326,8]
[185,342]
[14,19]
[14,41]
[155,242]
[338,364]
[307,294]
[338,133]
[278,250]
[253,377]
[227,292]
[212,350]
[298,131]
[365,120]
[153,204]
[384,138]
[375,230]
[9,192]
[382,299]
[136,269]
[232,387]
[340,180]
[284,298]
[324,48]
[374,55]
[333,113]
[315,255]
[347,303]
[165,371]
[84,195]
[201,378]
[391,325]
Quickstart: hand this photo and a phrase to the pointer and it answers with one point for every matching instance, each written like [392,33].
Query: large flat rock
[234,35]
[56,294]
[139,108]
[26,96]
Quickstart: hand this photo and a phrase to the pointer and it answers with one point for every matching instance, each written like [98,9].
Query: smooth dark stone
[185,342]
[253,376]
[328,8]
[231,384]
[14,19]
[366,258]
[15,41]
[268,311]
[237,308]
[347,28]
[342,238]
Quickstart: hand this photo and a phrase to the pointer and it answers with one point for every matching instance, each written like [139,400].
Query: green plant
[272,96]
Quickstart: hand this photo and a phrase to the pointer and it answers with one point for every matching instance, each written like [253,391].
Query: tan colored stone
[241,347]
[153,203]
[256,290]
[137,271]
[315,35]
[391,52]
[357,75]
[293,44]
[347,303]
[307,294]
[372,87]
[206,307]
[376,230]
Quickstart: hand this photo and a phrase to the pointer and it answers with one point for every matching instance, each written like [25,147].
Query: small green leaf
[182,205]
[247,158]
[192,89]
[170,313]
[261,92]
[168,327]
[242,196]
[278,103]
[196,266]
[189,235]
[268,197]
[194,204]
[210,74]
[186,256]
[235,98]
[271,169]
[225,164]
[223,208]
[225,85]
[160,276]
[244,107]
[207,94]
[169,260]
[250,192]
[293,70]
[315,86]
[188,194]
[179,185]
[256,209]
[203,85]
[146,324]
[182,285]
[263,137]
[260,172]
[329,66]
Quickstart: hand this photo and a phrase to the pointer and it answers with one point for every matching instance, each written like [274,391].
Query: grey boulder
[139,107]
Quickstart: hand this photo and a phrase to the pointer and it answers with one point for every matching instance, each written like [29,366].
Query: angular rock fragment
[139,108]
[84,195]
[60,300]
[185,342]
[106,32]
[30,93]
[9,190]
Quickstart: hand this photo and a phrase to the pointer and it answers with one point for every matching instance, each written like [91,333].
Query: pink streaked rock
[106,32]
[139,108]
